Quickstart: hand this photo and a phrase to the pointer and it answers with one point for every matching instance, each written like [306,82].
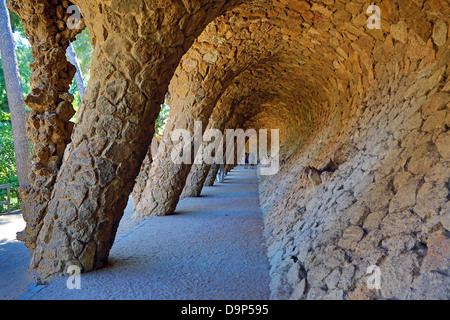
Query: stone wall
[386,202]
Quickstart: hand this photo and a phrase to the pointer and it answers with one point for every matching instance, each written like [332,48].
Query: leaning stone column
[165,182]
[234,121]
[195,180]
[48,122]
[229,167]
[136,51]
[141,179]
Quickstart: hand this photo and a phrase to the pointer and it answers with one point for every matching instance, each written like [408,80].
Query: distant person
[252,161]
[246,160]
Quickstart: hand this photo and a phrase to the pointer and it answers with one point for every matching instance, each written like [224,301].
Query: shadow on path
[213,248]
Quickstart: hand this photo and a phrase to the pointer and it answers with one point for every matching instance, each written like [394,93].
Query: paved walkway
[14,258]
[211,249]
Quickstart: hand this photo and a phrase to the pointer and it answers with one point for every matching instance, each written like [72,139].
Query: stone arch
[199,81]
[229,113]
[75,222]
[201,78]
[364,169]
[48,124]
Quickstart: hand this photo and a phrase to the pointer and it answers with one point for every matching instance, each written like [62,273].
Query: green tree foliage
[160,123]
[83,49]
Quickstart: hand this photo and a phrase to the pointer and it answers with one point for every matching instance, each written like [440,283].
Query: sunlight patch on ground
[9,226]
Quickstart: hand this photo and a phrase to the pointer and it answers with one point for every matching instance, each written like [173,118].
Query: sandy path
[211,249]
[15,257]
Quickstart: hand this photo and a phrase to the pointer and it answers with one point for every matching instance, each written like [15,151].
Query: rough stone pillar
[205,73]
[228,168]
[48,123]
[212,174]
[102,161]
[136,50]
[165,183]
[141,179]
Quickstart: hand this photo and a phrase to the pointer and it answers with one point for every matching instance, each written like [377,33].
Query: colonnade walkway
[212,248]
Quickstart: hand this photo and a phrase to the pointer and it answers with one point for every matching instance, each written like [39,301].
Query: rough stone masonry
[364,132]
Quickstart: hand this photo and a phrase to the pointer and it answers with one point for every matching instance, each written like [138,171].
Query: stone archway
[363,115]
